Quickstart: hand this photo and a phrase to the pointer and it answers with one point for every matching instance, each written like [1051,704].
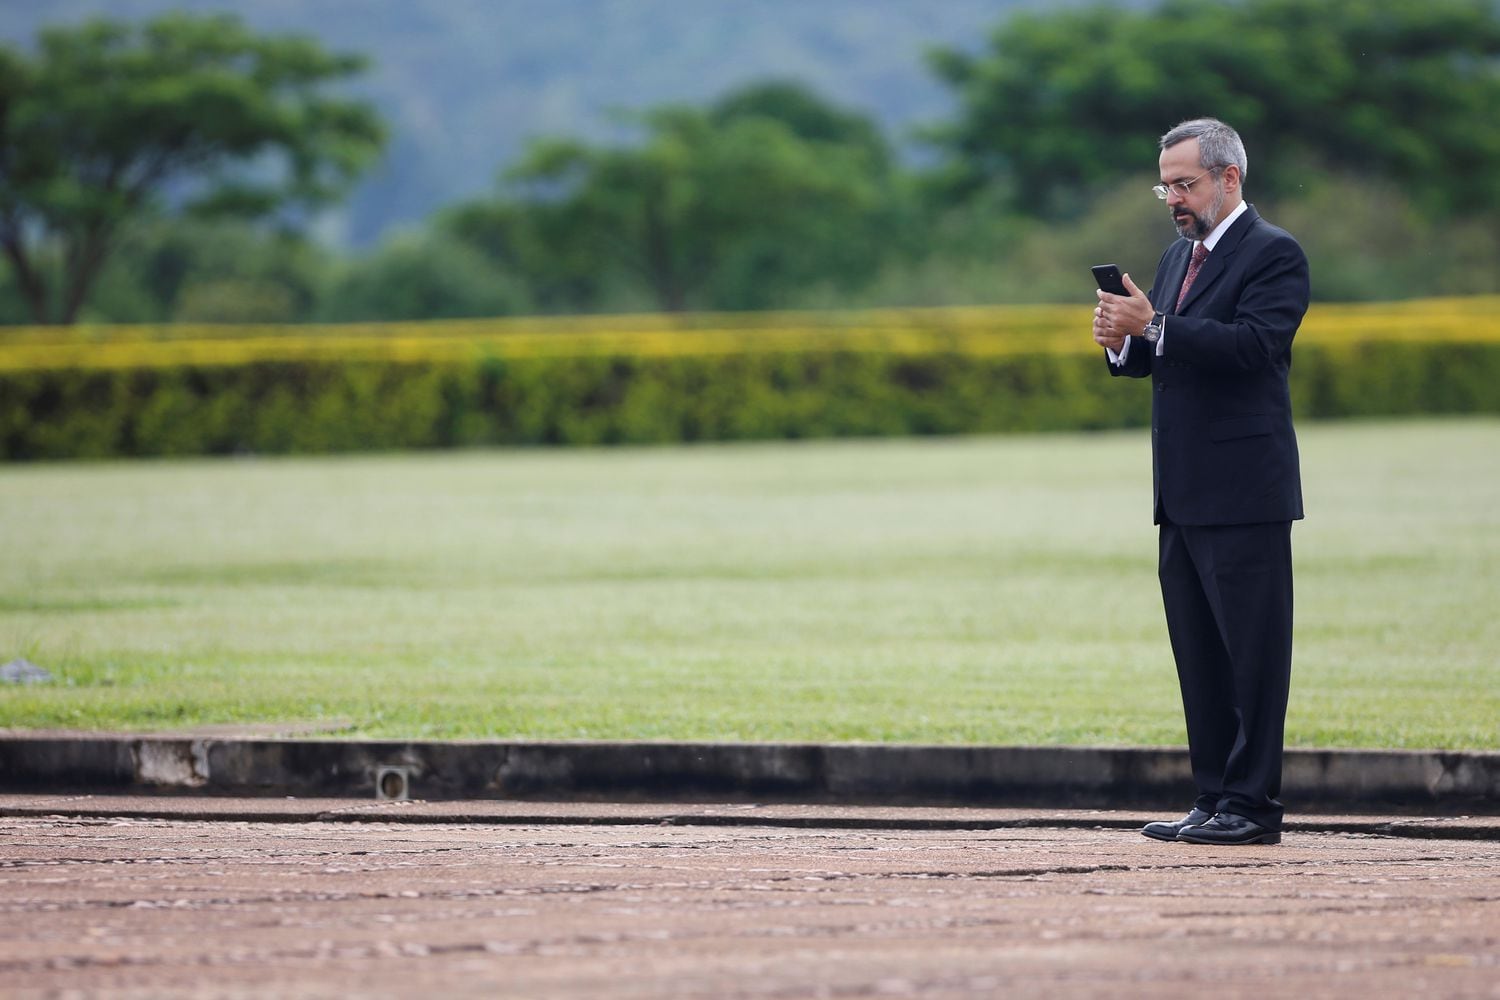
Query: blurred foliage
[1401,90]
[182,390]
[417,276]
[1365,238]
[108,120]
[464,84]
[1368,128]
[203,270]
[733,206]
[1368,239]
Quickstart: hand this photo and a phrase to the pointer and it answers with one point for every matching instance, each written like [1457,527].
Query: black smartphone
[1108,277]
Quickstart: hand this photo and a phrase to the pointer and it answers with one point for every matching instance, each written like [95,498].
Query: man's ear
[1232,177]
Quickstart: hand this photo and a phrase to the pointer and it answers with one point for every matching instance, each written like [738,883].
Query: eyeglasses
[1184,188]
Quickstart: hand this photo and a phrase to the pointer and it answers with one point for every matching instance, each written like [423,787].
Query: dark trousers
[1227,591]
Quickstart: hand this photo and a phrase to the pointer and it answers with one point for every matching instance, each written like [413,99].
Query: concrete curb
[1394,781]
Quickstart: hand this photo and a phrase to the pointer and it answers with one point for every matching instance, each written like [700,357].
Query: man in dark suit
[1215,336]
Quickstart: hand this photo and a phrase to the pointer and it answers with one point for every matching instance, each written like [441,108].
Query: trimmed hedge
[104,392]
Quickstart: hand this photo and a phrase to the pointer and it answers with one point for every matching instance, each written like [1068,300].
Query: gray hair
[1218,144]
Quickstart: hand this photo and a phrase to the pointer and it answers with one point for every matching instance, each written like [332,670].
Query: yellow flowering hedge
[107,391]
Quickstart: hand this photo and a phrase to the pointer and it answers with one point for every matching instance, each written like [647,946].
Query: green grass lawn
[978,590]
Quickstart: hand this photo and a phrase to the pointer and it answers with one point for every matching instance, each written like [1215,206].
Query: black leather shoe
[1169,831]
[1227,828]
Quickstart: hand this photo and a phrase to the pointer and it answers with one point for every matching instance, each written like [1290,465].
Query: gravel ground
[609,902]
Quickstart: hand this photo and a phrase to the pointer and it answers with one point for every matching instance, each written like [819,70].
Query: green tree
[215,270]
[423,277]
[807,115]
[728,207]
[536,243]
[1401,90]
[108,121]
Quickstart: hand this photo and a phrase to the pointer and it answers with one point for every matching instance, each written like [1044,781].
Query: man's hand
[1121,316]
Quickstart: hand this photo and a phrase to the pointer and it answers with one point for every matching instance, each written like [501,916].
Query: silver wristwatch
[1152,332]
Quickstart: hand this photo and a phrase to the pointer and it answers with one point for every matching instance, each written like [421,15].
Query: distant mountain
[463,83]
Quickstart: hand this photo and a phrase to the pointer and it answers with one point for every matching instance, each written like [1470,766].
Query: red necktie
[1200,254]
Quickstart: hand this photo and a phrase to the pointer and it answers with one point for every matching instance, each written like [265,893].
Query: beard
[1194,226]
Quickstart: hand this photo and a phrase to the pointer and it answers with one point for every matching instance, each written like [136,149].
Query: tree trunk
[83,268]
[33,288]
[665,282]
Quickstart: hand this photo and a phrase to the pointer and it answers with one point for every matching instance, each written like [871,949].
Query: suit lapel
[1218,260]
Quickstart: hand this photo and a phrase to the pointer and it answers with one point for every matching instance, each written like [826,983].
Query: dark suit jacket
[1223,447]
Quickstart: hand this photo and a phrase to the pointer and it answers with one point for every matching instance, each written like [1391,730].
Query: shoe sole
[1264,838]
[1157,836]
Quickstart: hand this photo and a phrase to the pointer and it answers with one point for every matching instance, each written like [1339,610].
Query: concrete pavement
[190,896]
[224,864]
